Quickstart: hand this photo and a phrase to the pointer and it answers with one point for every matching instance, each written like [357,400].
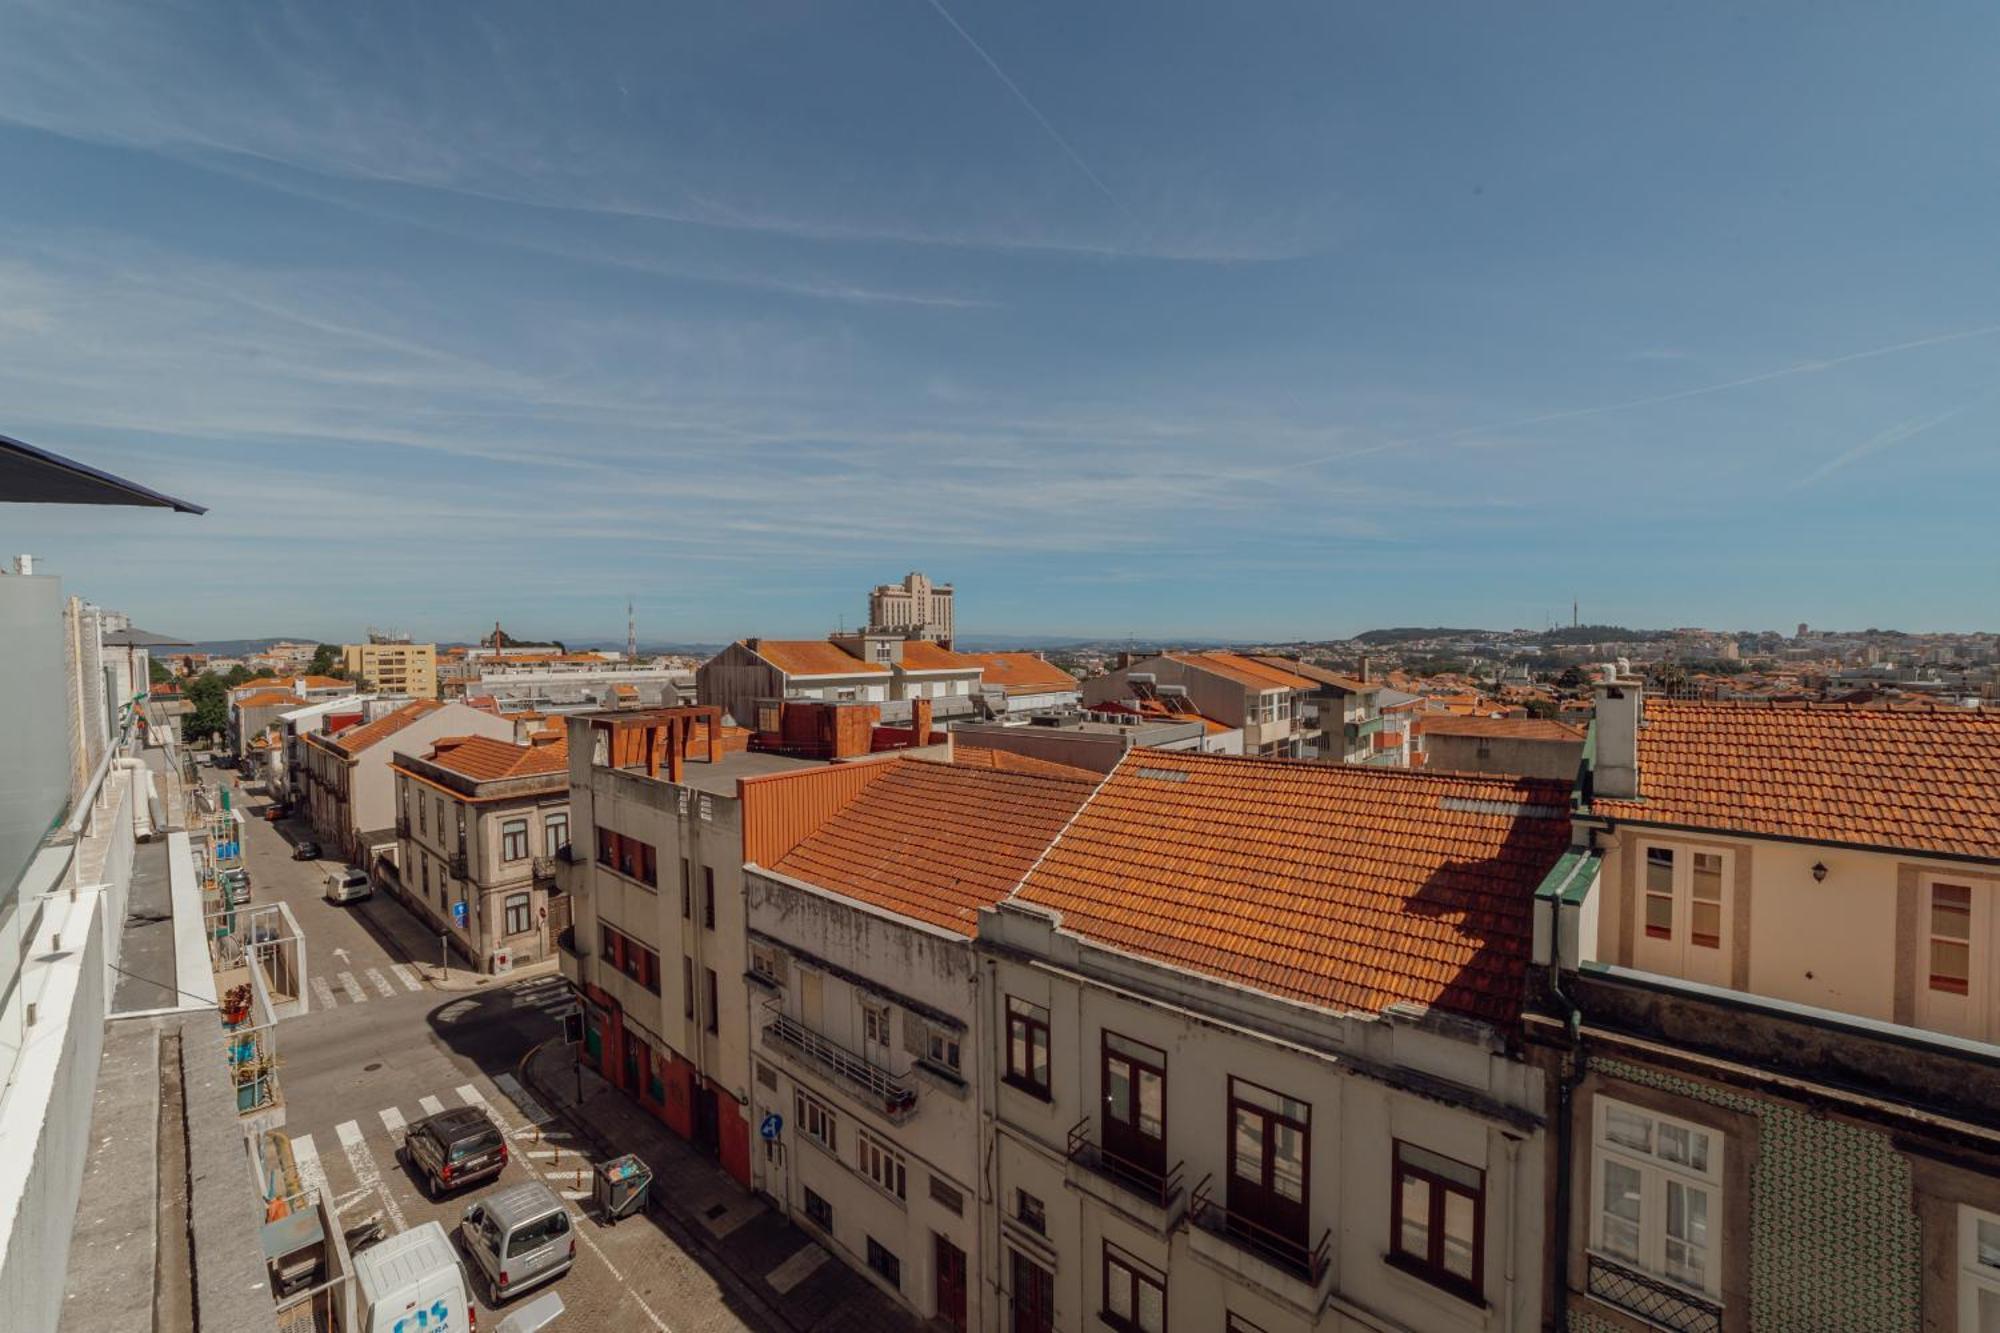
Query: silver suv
[518,1237]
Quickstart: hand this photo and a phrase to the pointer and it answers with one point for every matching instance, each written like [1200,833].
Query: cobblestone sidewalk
[772,1264]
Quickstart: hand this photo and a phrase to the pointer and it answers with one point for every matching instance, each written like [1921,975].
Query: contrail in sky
[1022,98]
[1571,414]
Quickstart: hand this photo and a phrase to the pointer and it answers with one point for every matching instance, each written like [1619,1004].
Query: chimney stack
[1364,668]
[920,722]
[1620,711]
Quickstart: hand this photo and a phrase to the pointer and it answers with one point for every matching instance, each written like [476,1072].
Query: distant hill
[1411,633]
[1572,635]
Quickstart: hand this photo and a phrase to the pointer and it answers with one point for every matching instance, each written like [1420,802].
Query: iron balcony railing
[544,867]
[1159,1188]
[1247,1234]
[896,1097]
[458,865]
[402,826]
[1665,1304]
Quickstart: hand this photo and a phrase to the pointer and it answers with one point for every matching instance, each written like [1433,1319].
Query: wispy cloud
[1890,438]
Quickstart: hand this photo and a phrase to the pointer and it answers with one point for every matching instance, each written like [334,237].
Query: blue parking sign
[458,913]
[772,1126]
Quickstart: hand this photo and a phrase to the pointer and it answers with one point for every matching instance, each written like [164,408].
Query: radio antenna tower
[631,632]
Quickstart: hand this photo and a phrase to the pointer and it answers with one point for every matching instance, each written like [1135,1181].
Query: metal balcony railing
[896,1096]
[544,867]
[1253,1237]
[1159,1188]
[1665,1304]
[402,826]
[458,865]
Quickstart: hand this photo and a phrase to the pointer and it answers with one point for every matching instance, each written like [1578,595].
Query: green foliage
[1572,678]
[1407,633]
[324,659]
[157,671]
[236,675]
[1542,708]
[1582,634]
[210,698]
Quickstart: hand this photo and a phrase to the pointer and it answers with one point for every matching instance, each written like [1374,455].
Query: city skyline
[1185,326]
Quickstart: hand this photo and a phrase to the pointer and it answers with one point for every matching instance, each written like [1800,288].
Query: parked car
[305,850]
[518,1238]
[454,1148]
[346,885]
[413,1273]
[276,811]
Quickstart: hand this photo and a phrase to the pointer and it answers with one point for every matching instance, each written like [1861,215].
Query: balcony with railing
[1152,1196]
[1240,1244]
[894,1096]
[402,826]
[544,869]
[458,865]
[1660,1303]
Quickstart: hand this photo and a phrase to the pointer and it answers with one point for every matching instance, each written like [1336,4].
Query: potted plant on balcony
[236,1005]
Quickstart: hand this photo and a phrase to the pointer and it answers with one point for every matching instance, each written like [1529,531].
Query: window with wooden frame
[714,1002]
[817,1123]
[1135,1296]
[1438,1230]
[1030,1212]
[514,840]
[708,897]
[884,1261]
[555,833]
[880,1163]
[518,919]
[687,988]
[687,889]
[1028,1047]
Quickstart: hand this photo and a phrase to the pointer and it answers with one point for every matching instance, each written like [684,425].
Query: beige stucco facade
[393,668]
[351,796]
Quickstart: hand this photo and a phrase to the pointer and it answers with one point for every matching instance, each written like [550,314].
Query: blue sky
[1237,320]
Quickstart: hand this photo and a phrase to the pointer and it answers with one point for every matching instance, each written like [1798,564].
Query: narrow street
[385,1044]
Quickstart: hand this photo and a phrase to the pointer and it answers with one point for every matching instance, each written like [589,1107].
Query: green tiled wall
[1834,1246]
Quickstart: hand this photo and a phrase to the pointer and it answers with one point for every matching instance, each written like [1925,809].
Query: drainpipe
[1514,1224]
[1573,1070]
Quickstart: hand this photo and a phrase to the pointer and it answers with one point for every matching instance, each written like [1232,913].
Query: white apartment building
[866,1002]
[916,607]
[1251,1058]
[885,669]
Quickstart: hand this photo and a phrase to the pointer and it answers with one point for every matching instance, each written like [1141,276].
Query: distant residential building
[393,667]
[349,788]
[872,1014]
[1768,1004]
[573,683]
[1341,715]
[1237,691]
[1527,746]
[916,607]
[258,702]
[482,822]
[1025,683]
[885,669]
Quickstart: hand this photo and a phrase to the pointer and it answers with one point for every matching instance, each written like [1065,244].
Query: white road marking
[380,983]
[545,1154]
[312,1176]
[352,987]
[365,1170]
[522,1098]
[431,1105]
[796,1269]
[474,1097]
[348,1200]
[578,1196]
[322,992]
[392,1119]
[637,1299]
[407,975]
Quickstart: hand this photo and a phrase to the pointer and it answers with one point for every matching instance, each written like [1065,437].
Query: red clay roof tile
[813,657]
[1348,887]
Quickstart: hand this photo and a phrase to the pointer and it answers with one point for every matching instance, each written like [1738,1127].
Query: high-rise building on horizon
[916,608]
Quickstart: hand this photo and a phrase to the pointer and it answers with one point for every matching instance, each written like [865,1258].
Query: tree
[324,659]
[210,698]
[1542,708]
[157,671]
[236,676]
[1572,679]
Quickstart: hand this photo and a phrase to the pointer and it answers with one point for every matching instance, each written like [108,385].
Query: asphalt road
[382,1046]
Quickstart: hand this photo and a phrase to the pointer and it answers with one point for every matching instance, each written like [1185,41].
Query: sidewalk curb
[684,1231]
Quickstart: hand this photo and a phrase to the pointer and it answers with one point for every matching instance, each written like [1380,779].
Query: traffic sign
[572,1021]
[772,1126]
[458,914]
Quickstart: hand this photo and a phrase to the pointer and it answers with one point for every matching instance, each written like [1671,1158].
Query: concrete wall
[1493,754]
[1097,751]
[45,1112]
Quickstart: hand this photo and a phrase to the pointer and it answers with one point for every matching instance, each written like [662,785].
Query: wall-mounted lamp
[1819,872]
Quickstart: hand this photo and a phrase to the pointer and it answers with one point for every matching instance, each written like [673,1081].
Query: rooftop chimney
[920,722]
[1620,713]
[1364,668]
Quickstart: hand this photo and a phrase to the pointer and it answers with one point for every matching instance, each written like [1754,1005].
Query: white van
[345,884]
[413,1283]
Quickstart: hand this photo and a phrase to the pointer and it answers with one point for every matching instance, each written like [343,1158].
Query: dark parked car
[454,1148]
[306,850]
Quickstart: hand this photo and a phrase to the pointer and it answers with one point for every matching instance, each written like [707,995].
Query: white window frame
[882,1165]
[1691,960]
[1656,1175]
[1977,1276]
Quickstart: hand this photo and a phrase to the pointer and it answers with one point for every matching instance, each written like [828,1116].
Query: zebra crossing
[355,1176]
[354,989]
[550,994]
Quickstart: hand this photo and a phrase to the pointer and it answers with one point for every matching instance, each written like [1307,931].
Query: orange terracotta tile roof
[814,657]
[1926,780]
[1318,674]
[1022,673]
[325,682]
[985,756]
[484,759]
[1244,670]
[923,655]
[937,842]
[1343,886]
[263,683]
[1501,728]
[356,739]
[265,698]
